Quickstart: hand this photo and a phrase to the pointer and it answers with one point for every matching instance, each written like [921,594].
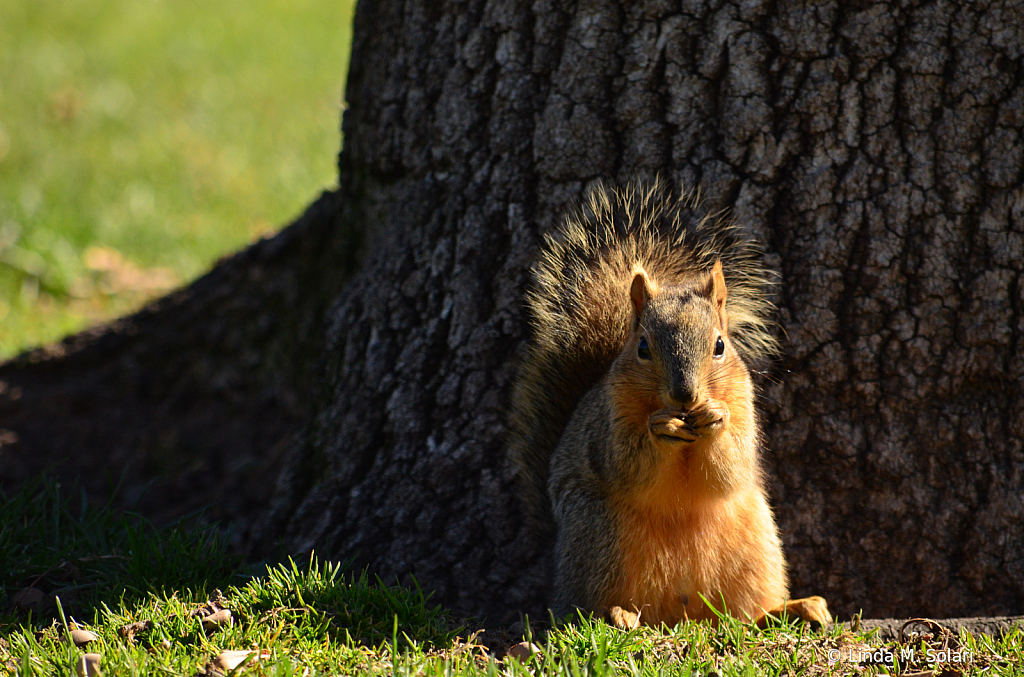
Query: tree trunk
[874,148]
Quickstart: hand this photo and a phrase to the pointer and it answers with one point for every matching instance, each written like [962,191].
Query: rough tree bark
[874,147]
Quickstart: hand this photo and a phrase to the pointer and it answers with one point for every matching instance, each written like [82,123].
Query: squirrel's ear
[718,293]
[641,291]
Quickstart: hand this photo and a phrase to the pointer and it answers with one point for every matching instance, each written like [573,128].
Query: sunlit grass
[140,141]
[144,592]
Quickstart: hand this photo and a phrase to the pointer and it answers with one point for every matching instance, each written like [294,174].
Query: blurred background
[142,140]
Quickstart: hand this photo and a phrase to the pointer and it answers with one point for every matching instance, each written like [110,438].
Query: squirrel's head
[680,336]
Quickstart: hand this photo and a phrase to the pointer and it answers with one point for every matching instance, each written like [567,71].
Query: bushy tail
[580,309]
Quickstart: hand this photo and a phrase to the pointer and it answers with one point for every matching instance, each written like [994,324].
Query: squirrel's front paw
[704,420]
[709,417]
[671,423]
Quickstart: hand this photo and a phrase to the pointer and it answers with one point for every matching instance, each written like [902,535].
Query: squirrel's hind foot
[622,619]
[814,610]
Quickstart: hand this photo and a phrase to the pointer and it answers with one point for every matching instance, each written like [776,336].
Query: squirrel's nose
[682,395]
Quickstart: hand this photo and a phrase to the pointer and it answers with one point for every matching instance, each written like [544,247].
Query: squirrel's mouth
[669,425]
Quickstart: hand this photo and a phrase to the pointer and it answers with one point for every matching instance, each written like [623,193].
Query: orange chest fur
[666,562]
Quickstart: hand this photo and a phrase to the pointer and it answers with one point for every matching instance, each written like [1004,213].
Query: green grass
[143,591]
[85,554]
[140,141]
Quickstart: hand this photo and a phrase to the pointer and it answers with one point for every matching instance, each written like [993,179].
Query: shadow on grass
[101,561]
[51,546]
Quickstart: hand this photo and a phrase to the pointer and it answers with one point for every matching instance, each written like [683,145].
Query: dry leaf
[129,631]
[227,661]
[523,651]
[82,637]
[216,620]
[88,665]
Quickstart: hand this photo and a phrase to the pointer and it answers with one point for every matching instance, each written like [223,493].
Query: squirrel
[633,427]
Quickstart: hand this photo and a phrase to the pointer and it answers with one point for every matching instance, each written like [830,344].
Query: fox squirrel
[633,425]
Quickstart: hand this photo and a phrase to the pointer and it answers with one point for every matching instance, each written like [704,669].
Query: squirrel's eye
[642,351]
[719,347]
